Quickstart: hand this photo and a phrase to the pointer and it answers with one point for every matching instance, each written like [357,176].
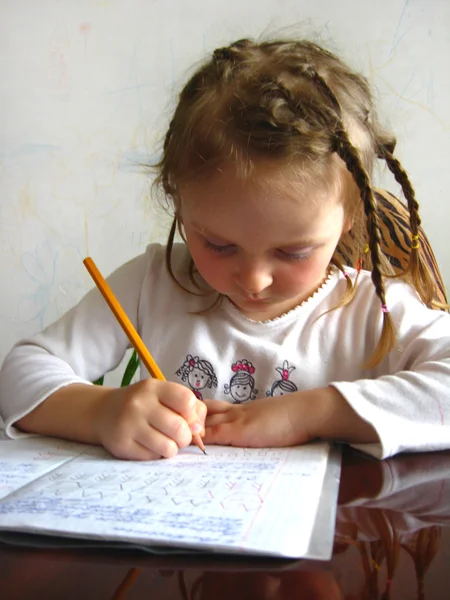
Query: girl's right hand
[149,419]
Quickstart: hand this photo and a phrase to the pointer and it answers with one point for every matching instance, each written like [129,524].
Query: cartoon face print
[198,373]
[242,384]
[198,379]
[283,385]
[240,391]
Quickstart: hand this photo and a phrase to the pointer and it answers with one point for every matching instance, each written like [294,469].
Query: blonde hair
[296,103]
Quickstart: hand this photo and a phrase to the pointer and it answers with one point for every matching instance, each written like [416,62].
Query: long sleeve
[407,397]
[84,344]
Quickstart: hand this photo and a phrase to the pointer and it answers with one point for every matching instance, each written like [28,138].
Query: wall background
[86,91]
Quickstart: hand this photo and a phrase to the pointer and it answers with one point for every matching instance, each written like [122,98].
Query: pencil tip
[204,452]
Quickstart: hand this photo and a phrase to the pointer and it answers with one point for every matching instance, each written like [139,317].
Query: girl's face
[264,242]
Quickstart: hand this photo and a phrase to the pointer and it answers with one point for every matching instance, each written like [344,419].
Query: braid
[402,178]
[416,267]
[226,59]
[350,157]
[348,153]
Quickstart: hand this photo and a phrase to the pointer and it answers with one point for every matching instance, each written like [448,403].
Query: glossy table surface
[392,541]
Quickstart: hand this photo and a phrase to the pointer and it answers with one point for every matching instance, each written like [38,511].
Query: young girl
[268,162]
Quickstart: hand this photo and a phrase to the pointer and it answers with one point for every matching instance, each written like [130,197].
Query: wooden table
[392,541]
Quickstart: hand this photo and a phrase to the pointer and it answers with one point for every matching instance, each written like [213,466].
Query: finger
[214,420]
[220,433]
[167,423]
[179,399]
[217,406]
[198,425]
[158,443]
[134,451]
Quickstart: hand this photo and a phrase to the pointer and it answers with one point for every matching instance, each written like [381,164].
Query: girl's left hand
[288,420]
[266,422]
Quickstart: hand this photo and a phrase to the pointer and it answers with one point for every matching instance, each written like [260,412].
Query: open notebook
[275,502]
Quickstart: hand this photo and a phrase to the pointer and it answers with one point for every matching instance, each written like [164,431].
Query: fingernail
[196,427]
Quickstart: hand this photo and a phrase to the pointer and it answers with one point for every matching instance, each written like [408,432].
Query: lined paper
[259,501]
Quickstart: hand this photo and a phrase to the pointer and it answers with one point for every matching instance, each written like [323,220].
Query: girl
[268,162]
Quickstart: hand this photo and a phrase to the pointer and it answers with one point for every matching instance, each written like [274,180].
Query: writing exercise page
[23,460]
[232,500]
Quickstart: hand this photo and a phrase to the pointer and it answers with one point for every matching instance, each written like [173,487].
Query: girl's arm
[83,345]
[143,421]
[45,381]
[71,413]
[289,420]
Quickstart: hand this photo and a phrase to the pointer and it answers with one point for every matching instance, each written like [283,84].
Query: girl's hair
[296,103]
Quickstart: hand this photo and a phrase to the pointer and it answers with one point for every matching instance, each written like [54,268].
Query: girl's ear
[348,224]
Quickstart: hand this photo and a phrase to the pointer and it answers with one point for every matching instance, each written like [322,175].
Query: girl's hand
[265,422]
[288,420]
[149,419]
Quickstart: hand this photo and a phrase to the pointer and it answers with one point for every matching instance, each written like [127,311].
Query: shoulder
[402,301]
[171,278]
[396,290]
[158,261]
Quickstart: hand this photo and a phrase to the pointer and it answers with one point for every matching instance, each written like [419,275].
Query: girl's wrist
[72,412]
[327,415]
[339,421]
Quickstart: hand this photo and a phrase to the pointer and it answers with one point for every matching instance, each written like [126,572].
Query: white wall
[86,88]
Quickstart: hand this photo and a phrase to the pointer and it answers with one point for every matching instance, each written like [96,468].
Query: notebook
[278,502]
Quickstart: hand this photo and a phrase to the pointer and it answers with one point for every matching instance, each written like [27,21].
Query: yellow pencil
[129,329]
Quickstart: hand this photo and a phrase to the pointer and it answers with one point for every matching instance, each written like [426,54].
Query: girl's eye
[303,255]
[219,248]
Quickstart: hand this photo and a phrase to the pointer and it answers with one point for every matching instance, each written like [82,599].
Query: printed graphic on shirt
[242,384]
[198,373]
[284,385]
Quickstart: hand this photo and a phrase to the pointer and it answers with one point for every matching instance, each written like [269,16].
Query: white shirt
[222,354]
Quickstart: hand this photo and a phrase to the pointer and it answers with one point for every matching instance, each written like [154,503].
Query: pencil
[130,330]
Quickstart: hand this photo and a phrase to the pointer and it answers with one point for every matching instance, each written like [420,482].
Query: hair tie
[366,249]
[384,308]
[414,246]
[359,265]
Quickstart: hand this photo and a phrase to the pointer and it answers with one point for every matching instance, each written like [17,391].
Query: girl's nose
[254,279]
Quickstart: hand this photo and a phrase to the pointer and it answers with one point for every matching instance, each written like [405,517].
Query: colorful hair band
[366,249]
[415,243]
[384,308]
[359,264]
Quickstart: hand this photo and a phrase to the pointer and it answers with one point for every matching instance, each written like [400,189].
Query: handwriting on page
[192,498]
[22,461]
